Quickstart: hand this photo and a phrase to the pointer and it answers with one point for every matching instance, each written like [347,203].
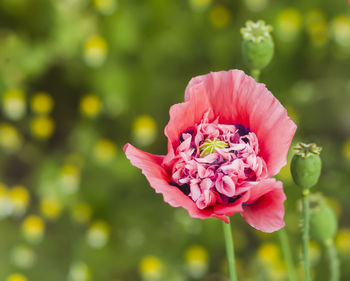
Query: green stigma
[306,149]
[209,146]
[256,31]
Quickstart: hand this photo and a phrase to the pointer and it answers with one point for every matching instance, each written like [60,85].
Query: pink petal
[237,98]
[159,180]
[226,186]
[231,208]
[183,117]
[264,210]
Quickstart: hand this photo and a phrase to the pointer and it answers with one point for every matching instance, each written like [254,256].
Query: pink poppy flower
[225,142]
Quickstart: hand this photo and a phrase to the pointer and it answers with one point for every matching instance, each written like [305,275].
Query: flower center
[216,163]
[210,146]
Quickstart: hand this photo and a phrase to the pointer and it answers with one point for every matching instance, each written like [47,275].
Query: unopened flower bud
[323,221]
[306,165]
[257,45]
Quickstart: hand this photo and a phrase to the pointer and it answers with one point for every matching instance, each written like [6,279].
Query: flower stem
[287,254]
[305,234]
[230,251]
[333,261]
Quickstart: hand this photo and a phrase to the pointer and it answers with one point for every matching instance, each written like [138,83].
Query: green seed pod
[306,165]
[257,45]
[323,221]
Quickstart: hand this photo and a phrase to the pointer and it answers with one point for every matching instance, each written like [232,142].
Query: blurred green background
[80,78]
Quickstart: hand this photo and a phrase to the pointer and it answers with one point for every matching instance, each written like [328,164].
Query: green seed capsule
[257,45]
[323,221]
[306,165]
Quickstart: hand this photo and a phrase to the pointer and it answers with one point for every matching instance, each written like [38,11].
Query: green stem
[333,261]
[287,254]
[305,234]
[255,74]
[230,251]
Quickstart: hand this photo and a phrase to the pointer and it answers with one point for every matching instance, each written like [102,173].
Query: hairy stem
[334,268]
[305,234]
[287,254]
[230,251]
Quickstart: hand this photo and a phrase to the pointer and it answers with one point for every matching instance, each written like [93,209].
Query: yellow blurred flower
[151,268]
[196,258]
[314,252]
[41,103]
[144,130]
[105,7]
[98,234]
[316,26]
[104,151]
[79,271]
[256,5]
[288,24]
[219,16]
[10,138]
[346,149]
[270,257]
[342,241]
[16,277]
[33,228]
[69,178]
[95,51]
[42,127]
[81,212]
[269,253]
[23,256]
[200,4]
[335,205]
[5,201]
[50,207]
[14,104]
[341,30]
[20,199]
[90,105]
